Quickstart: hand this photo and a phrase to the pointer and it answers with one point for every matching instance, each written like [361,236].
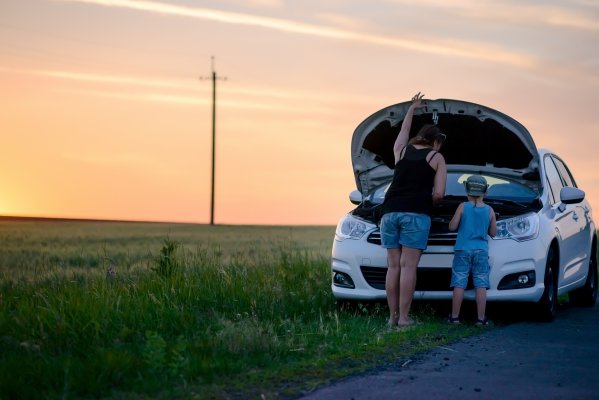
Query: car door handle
[575,216]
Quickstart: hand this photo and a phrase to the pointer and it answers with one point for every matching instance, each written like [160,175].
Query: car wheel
[547,306]
[586,296]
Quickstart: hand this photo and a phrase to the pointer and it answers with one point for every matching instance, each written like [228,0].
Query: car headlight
[524,227]
[350,228]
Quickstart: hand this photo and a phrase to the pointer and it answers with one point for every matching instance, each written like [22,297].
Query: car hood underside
[478,139]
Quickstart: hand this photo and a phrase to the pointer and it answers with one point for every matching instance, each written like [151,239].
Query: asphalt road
[520,360]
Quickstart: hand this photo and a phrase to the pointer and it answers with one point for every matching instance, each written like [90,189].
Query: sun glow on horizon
[103,114]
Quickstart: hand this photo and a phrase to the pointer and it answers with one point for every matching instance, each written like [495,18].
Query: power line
[214,78]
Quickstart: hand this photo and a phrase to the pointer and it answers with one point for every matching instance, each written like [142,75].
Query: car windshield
[499,188]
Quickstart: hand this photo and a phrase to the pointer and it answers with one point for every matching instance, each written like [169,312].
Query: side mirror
[355,197]
[571,195]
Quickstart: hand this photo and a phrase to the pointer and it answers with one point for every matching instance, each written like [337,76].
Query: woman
[419,171]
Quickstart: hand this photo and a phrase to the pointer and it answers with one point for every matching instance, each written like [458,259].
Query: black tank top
[412,186]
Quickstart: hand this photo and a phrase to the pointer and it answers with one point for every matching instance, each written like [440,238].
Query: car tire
[547,305]
[586,296]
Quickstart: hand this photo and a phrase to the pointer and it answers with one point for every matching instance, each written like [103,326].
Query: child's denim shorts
[405,229]
[465,261]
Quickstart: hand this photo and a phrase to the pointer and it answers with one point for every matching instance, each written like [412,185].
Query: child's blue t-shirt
[474,227]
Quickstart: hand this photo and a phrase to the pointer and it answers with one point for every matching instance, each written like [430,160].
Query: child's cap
[476,185]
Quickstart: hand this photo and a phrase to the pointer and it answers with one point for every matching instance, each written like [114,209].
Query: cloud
[255,3]
[114,158]
[183,100]
[262,97]
[342,21]
[462,49]
[522,13]
[587,3]
[100,78]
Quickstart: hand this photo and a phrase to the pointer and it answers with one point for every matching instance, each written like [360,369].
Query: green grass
[141,310]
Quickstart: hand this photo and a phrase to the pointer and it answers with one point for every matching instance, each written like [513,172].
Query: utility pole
[214,78]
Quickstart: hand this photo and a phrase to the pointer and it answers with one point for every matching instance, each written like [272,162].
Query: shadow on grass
[501,313]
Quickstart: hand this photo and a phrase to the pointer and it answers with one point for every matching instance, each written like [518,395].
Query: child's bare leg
[456,302]
[481,302]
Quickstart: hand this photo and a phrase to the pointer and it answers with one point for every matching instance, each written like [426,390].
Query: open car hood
[478,139]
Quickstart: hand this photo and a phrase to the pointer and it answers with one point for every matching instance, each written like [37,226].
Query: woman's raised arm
[406,125]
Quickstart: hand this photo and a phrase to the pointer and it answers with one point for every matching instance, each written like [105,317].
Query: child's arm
[492,224]
[455,221]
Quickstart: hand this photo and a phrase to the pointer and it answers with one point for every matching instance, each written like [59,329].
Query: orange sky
[102,114]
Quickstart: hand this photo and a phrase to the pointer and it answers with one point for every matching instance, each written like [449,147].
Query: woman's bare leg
[407,283]
[392,284]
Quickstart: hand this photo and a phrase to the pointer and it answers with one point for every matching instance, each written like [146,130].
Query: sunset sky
[103,114]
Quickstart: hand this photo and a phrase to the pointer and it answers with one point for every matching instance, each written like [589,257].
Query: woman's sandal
[453,320]
[482,322]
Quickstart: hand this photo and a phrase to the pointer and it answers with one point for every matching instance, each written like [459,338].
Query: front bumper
[366,264]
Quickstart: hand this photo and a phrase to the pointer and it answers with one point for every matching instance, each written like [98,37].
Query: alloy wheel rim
[550,286]
[593,276]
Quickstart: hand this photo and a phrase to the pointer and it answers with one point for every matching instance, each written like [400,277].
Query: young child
[474,220]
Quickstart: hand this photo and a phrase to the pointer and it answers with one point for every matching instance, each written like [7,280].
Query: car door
[566,221]
[580,215]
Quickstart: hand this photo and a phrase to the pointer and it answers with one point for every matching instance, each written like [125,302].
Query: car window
[554,180]
[378,196]
[564,172]
[454,185]
[499,188]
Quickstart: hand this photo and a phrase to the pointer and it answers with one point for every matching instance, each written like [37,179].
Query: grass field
[153,310]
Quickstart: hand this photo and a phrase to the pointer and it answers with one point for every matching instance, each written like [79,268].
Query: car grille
[374,276]
[429,279]
[434,239]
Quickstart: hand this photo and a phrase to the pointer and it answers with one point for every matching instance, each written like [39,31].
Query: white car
[546,242]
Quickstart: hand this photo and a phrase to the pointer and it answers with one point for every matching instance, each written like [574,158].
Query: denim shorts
[405,229]
[465,261]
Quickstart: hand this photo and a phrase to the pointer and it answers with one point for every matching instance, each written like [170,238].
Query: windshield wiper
[506,202]
[453,197]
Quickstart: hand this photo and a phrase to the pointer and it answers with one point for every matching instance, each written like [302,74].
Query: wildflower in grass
[111,273]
